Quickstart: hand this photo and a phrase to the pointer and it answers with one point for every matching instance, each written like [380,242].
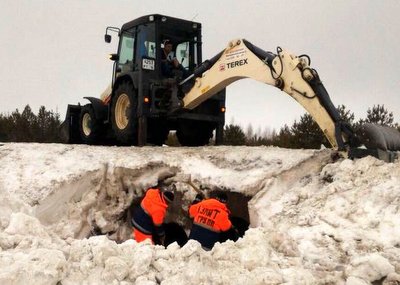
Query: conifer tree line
[304,133]
[43,127]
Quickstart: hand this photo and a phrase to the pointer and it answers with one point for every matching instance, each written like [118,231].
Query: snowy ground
[313,221]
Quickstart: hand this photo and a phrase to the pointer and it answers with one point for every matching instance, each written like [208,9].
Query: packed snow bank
[347,218]
[313,221]
[33,171]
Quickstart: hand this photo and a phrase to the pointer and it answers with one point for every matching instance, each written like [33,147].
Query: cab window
[126,53]
[146,43]
[182,54]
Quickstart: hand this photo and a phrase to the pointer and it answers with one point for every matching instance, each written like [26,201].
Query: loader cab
[141,45]
[185,37]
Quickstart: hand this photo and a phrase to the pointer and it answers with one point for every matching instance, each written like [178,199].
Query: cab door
[146,47]
[126,59]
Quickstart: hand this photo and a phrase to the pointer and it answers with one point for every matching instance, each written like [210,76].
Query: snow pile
[313,221]
[347,218]
[34,171]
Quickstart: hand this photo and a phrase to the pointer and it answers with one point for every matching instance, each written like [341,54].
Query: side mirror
[107,38]
[114,57]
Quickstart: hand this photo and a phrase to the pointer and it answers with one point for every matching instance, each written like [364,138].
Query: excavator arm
[292,74]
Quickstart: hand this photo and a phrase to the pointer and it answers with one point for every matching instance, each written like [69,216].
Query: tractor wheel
[124,114]
[89,127]
[193,133]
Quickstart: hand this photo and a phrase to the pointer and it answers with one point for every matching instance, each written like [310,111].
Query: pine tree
[16,121]
[346,115]
[234,135]
[48,123]
[307,133]
[284,138]
[54,127]
[42,123]
[27,127]
[5,128]
[379,115]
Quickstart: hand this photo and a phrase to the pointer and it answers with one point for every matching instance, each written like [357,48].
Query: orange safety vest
[155,206]
[211,214]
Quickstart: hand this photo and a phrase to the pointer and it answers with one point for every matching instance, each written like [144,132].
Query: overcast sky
[53,52]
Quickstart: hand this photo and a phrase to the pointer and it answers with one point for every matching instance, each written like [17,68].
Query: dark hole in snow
[379,282]
[100,202]
[178,224]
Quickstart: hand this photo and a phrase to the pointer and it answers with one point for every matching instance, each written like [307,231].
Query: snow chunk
[23,224]
[370,268]
[39,266]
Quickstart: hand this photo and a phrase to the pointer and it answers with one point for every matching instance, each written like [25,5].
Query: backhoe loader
[143,104]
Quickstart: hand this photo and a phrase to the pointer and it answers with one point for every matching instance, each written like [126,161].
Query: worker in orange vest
[210,219]
[148,218]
